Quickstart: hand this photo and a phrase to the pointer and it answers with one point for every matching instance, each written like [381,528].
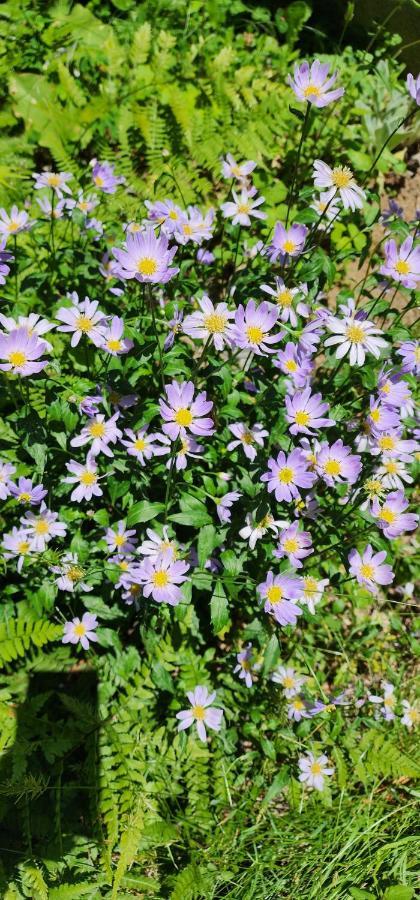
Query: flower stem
[170,479]
[152,309]
[295,171]
[397,128]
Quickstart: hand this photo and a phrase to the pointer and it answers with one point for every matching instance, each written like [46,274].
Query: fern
[18,635]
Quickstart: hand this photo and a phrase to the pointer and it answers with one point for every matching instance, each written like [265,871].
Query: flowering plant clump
[207,474]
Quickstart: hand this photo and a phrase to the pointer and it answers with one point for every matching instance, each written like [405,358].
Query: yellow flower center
[147,266]
[417,354]
[254,334]
[286,475]
[342,176]
[274,594]
[316,768]
[375,415]
[402,267]
[215,323]
[99,181]
[302,417]
[199,712]
[312,90]
[187,229]
[114,345]
[285,298]
[83,205]
[373,486]
[297,704]
[387,442]
[289,247]
[13,225]
[355,334]
[291,545]
[332,467]
[160,578]
[389,701]
[41,527]
[139,444]
[97,430]
[183,417]
[17,358]
[123,565]
[24,497]
[80,629]
[367,571]
[386,388]
[84,324]
[54,180]
[119,540]
[88,478]
[247,438]
[291,365]
[413,715]
[391,467]
[23,547]
[75,573]
[173,215]
[387,515]
[310,585]
[243,208]
[288,682]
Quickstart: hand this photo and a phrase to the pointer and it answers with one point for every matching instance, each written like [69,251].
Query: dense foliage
[207,456]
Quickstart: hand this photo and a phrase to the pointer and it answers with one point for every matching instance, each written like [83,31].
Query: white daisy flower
[340,181]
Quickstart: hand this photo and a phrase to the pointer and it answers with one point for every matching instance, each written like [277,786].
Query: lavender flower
[146,258]
[287,474]
[187,447]
[252,327]
[306,412]
[201,712]
[403,263]
[288,679]
[392,518]
[25,492]
[284,298]
[104,178]
[297,709]
[70,574]
[6,469]
[205,257]
[413,87]
[211,323]
[313,770]
[356,337]
[392,389]
[86,477]
[100,433]
[224,504]
[174,326]
[387,701]
[82,318]
[312,591]
[157,544]
[12,225]
[245,665]
[338,181]
[279,591]
[193,226]
[311,83]
[243,207]
[240,171]
[160,577]
[165,213]
[381,416]
[286,243]
[55,180]
[410,354]
[5,257]
[17,544]
[180,411]
[292,362]
[411,713]
[113,340]
[369,568]
[21,352]
[294,544]
[81,631]
[255,530]
[141,445]
[42,527]
[247,436]
[337,463]
[119,539]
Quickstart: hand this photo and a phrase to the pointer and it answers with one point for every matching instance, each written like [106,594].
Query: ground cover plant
[208,457]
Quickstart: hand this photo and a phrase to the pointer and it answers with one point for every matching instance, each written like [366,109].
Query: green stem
[16,270]
[170,478]
[152,308]
[295,171]
[397,128]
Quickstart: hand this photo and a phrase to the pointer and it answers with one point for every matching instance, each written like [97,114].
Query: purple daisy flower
[104,178]
[119,539]
[369,568]
[201,712]
[286,243]
[55,180]
[287,474]
[205,257]
[165,213]
[21,352]
[81,631]
[278,591]
[403,263]
[113,340]
[194,227]
[188,447]
[413,87]
[292,362]
[223,505]
[392,518]
[25,492]
[392,389]
[337,463]
[252,327]
[181,412]
[245,665]
[306,412]
[248,436]
[210,323]
[160,577]
[5,257]
[381,416]
[410,354]
[284,298]
[82,318]
[146,258]
[340,182]
[86,477]
[240,171]
[242,207]
[141,445]
[310,83]
[391,445]
[174,326]
[6,469]
[17,544]
[100,433]
[294,544]
[12,225]
[42,527]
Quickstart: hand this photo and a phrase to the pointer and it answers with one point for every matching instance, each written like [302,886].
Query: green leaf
[398,892]
[143,512]
[206,543]
[219,609]
[193,512]
[271,655]
[162,678]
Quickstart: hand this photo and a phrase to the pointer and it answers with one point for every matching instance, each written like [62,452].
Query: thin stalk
[16,269]
[397,128]
[295,171]
[170,478]
[152,308]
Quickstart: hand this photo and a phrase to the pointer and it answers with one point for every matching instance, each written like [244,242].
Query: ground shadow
[49,779]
